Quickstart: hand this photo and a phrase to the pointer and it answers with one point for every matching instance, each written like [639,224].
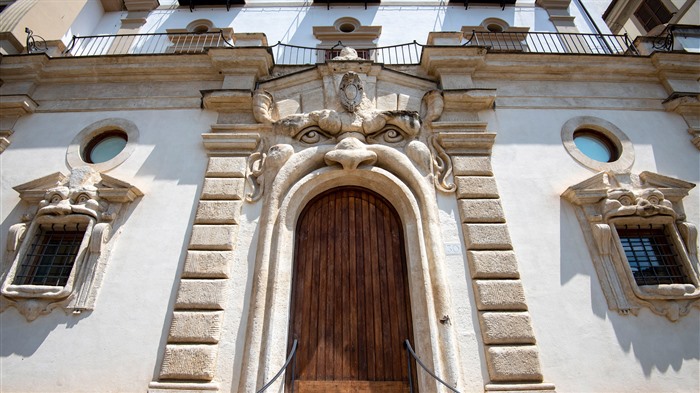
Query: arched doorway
[350,308]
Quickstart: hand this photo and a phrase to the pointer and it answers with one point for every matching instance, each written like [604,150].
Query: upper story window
[347,32]
[652,13]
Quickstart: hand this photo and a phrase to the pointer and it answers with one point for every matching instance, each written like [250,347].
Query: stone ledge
[487,237]
[189,362]
[506,328]
[201,295]
[476,187]
[218,212]
[520,387]
[513,363]
[207,264]
[223,188]
[493,264]
[214,237]
[495,295]
[481,210]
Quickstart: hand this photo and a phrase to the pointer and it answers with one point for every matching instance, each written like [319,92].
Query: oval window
[105,146]
[595,145]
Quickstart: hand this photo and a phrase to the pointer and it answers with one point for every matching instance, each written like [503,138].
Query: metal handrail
[145,44]
[548,42]
[289,359]
[409,351]
[401,54]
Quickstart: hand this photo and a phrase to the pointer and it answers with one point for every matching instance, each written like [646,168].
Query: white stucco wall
[116,347]
[584,346]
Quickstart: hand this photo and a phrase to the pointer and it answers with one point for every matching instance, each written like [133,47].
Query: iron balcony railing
[403,54]
[145,44]
[536,42]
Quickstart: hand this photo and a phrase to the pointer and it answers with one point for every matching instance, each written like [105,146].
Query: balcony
[403,54]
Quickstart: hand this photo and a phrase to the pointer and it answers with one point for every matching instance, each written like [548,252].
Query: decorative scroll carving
[607,200]
[255,175]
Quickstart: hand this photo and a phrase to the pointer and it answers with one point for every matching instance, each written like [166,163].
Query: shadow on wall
[657,343]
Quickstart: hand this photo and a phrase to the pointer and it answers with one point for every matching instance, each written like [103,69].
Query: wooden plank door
[350,302]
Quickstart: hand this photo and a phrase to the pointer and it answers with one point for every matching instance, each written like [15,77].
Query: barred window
[51,255]
[651,254]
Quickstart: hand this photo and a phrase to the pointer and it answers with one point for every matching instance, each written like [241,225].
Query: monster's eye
[312,136]
[387,135]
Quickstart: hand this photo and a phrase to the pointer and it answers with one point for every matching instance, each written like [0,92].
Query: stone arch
[298,180]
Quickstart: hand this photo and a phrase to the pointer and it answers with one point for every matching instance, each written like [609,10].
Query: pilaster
[558,11]
[511,353]
[190,354]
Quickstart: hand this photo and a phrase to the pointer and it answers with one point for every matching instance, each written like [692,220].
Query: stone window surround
[622,143]
[607,199]
[74,155]
[48,292]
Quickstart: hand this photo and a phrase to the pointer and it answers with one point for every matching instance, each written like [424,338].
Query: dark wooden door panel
[350,302]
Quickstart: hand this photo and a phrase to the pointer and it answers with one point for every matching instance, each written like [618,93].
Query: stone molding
[85,198]
[687,106]
[606,200]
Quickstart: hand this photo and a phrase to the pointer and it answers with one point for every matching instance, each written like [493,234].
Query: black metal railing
[405,54]
[410,353]
[536,42]
[292,355]
[145,44]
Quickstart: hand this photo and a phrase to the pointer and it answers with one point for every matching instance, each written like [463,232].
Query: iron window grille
[651,254]
[51,255]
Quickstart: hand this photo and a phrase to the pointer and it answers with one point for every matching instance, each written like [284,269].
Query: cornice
[16,105]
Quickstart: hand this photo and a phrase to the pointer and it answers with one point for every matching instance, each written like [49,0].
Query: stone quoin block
[213,237]
[493,264]
[207,264]
[499,295]
[506,328]
[487,237]
[471,166]
[189,362]
[513,363]
[201,295]
[218,212]
[202,327]
[223,188]
[481,210]
[476,187]
[226,167]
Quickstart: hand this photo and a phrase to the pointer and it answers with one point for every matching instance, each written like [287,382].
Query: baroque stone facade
[516,240]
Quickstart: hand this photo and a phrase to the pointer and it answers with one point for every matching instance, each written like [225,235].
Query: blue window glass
[595,146]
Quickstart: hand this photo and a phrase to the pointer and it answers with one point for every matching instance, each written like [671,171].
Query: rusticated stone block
[226,167]
[476,187]
[207,264]
[493,264]
[223,188]
[190,362]
[472,166]
[499,295]
[201,295]
[202,327]
[487,237]
[213,237]
[514,363]
[218,212]
[506,328]
[481,210]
